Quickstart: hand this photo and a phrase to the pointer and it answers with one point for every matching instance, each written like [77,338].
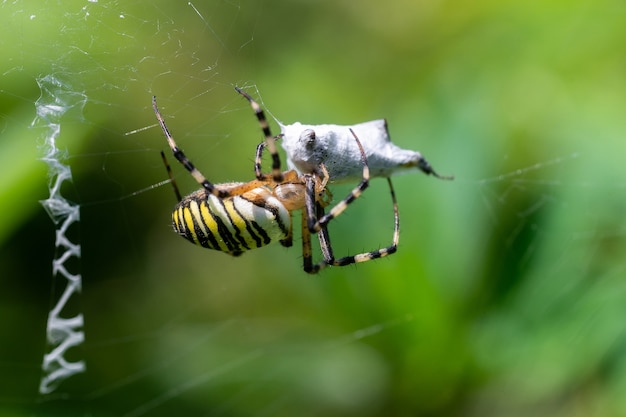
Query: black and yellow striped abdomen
[233,224]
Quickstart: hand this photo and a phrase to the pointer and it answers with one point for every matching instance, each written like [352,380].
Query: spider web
[506,295]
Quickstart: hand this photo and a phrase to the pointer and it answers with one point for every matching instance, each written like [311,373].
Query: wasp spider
[236,217]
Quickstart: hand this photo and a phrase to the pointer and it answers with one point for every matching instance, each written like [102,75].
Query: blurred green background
[507,295]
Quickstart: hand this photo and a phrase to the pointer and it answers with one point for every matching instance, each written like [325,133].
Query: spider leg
[378,253]
[317,221]
[288,241]
[257,161]
[310,213]
[172,180]
[180,156]
[269,139]
[315,225]
[259,158]
[307,252]
[324,238]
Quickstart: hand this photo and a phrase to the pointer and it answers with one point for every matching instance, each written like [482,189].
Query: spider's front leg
[316,224]
[269,138]
[182,158]
[258,160]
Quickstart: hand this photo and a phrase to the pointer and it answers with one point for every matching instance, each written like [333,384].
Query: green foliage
[506,296]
